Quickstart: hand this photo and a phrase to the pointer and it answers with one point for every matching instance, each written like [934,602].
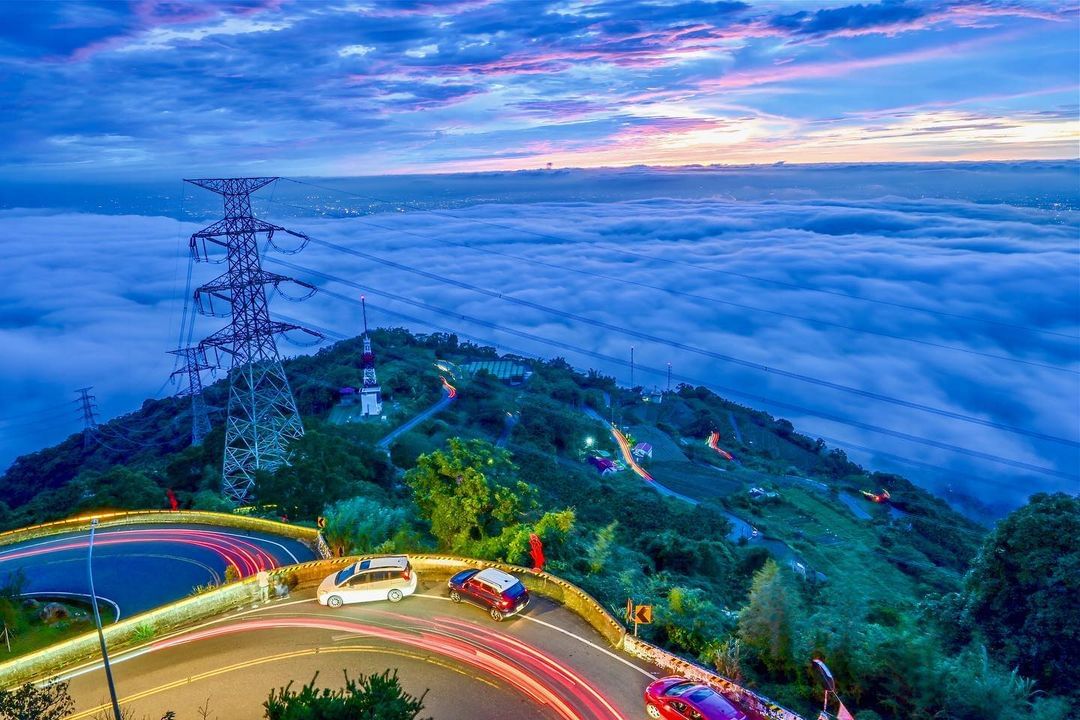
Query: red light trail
[624,446]
[540,677]
[244,555]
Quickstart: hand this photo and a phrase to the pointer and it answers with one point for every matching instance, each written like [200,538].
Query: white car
[385,578]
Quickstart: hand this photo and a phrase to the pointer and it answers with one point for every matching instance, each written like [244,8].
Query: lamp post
[97,620]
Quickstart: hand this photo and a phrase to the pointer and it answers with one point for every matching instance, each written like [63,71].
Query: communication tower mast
[262,414]
[371,393]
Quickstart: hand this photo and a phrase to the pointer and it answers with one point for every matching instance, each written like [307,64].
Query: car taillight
[504,603]
[405,574]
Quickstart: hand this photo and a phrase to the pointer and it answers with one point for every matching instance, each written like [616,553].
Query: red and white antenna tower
[371,393]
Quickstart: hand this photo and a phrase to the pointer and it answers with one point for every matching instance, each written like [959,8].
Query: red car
[676,698]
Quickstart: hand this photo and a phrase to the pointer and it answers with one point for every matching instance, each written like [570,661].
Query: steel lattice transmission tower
[194,362]
[262,414]
[89,415]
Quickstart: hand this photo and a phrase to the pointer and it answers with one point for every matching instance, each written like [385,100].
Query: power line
[705,298]
[623,251]
[648,337]
[623,362]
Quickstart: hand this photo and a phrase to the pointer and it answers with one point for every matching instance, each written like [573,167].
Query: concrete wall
[678,666]
[190,611]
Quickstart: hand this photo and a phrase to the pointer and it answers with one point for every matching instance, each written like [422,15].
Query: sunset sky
[107,89]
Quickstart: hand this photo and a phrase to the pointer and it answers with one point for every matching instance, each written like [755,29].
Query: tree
[372,697]
[465,492]
[1022,590]
[119,487]
[768,623]
[49,702]
[327,465]
[364,525]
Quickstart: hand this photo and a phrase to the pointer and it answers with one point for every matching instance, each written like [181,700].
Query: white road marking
[604,650]
[116,607]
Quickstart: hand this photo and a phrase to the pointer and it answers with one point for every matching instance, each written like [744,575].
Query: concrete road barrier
[177,616]
[155,517]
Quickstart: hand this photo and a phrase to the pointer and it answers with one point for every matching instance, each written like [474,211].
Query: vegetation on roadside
[371,697]
[917,610]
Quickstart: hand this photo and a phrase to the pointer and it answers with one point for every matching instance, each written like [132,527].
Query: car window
[700,694]
[680,689]
[514,591]
[360,579]
[344,575]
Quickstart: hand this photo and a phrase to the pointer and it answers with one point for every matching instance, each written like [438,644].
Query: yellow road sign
[643,614]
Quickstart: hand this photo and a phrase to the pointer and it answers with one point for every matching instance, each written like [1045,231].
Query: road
[445,400]
[546,663]
[139,567]
[624,448]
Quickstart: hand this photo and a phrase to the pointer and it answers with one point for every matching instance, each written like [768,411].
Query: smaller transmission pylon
[371,393]
[89,415]
[194,362]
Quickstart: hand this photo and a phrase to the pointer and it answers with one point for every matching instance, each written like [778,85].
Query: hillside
[864,584]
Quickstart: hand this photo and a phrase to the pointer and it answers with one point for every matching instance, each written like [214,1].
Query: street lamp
[97,620]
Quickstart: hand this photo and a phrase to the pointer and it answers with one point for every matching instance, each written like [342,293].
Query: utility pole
[194,362]
[262,414]
[89,415]
[631,367]
[669,377]
[97,620]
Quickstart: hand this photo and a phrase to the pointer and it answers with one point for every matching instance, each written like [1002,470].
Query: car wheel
[394,595]
[652,711]
[455,596]
[496,615]
[333,601]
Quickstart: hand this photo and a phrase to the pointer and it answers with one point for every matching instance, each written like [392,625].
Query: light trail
[451,391]
[244,555]
[538,676]
[624,446]
[713,441]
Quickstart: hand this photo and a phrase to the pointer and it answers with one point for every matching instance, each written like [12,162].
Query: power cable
[623,251]
[663,372]
[705,298]
[648,337]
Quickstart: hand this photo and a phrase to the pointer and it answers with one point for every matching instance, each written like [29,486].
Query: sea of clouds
[967,307]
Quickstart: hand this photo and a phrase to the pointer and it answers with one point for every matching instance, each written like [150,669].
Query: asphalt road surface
[139,567]
[433,410]
[546,663]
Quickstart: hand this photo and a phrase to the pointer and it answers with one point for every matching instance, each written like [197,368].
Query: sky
[146,89]
[948,292]
[882,196]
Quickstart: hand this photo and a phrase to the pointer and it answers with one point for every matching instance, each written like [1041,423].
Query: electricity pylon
[89,415]
[194,362]
[262,414]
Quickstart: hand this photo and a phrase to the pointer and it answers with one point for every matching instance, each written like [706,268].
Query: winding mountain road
[546,663]
[139,567]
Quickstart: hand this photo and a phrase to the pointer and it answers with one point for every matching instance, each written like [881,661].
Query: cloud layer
[966,307]
[106,89]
